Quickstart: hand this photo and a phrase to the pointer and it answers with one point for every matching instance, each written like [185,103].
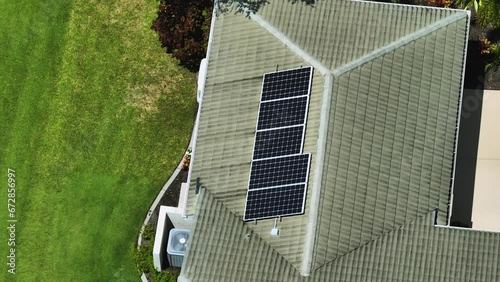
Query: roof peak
[290,44]
[400,42]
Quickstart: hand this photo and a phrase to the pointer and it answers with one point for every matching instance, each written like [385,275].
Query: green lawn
[94,117]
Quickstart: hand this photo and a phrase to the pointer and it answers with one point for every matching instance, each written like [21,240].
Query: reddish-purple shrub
[183,27]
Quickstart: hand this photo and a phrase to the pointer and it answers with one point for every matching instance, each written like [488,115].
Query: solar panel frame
[308,71]
[283,113]
[305,183]
[280,166]
[307,94]
[306,110]
[278,142]
[288,204]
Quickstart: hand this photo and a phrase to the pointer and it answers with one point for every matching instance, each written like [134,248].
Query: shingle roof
[390,141]
[242,52]
[381,131]
[224,248]
[336,32]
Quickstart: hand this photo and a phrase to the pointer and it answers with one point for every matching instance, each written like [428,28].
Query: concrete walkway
[486,204]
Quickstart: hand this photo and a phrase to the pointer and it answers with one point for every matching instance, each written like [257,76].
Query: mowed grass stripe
[101,135]
[31,35]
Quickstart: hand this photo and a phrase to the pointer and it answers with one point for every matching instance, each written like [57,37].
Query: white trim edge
[200,103]
[409,5]
[318,176]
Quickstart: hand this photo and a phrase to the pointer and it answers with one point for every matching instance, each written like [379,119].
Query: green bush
[148,233]
[493,58]
[466,4]
[489,14]
[143,257]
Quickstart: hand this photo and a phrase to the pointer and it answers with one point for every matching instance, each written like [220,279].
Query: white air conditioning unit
[176,247]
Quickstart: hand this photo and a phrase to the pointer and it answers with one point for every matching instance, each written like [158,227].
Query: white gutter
[200,103]
[408,6]
[467,229]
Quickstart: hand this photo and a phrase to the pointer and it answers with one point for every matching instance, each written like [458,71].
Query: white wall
[174,214]
[160,239]
[486,205]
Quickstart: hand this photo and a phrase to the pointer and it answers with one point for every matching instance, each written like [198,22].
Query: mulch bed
[170,198]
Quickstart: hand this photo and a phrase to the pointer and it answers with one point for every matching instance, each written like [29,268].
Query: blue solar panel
[266,203]
[280,171]
[285,84]
[282,113]
[278,142]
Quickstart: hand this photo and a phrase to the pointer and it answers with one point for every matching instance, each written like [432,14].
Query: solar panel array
[280,170]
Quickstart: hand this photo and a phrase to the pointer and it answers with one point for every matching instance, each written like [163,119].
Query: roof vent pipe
[198,185]
[275,232]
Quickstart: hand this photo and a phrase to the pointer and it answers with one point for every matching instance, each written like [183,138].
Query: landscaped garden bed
[481,42]
[143,254]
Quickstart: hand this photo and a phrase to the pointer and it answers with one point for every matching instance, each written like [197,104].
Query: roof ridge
[201,194]
[307,259]
[290,44]
[419,217]
[401,42]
